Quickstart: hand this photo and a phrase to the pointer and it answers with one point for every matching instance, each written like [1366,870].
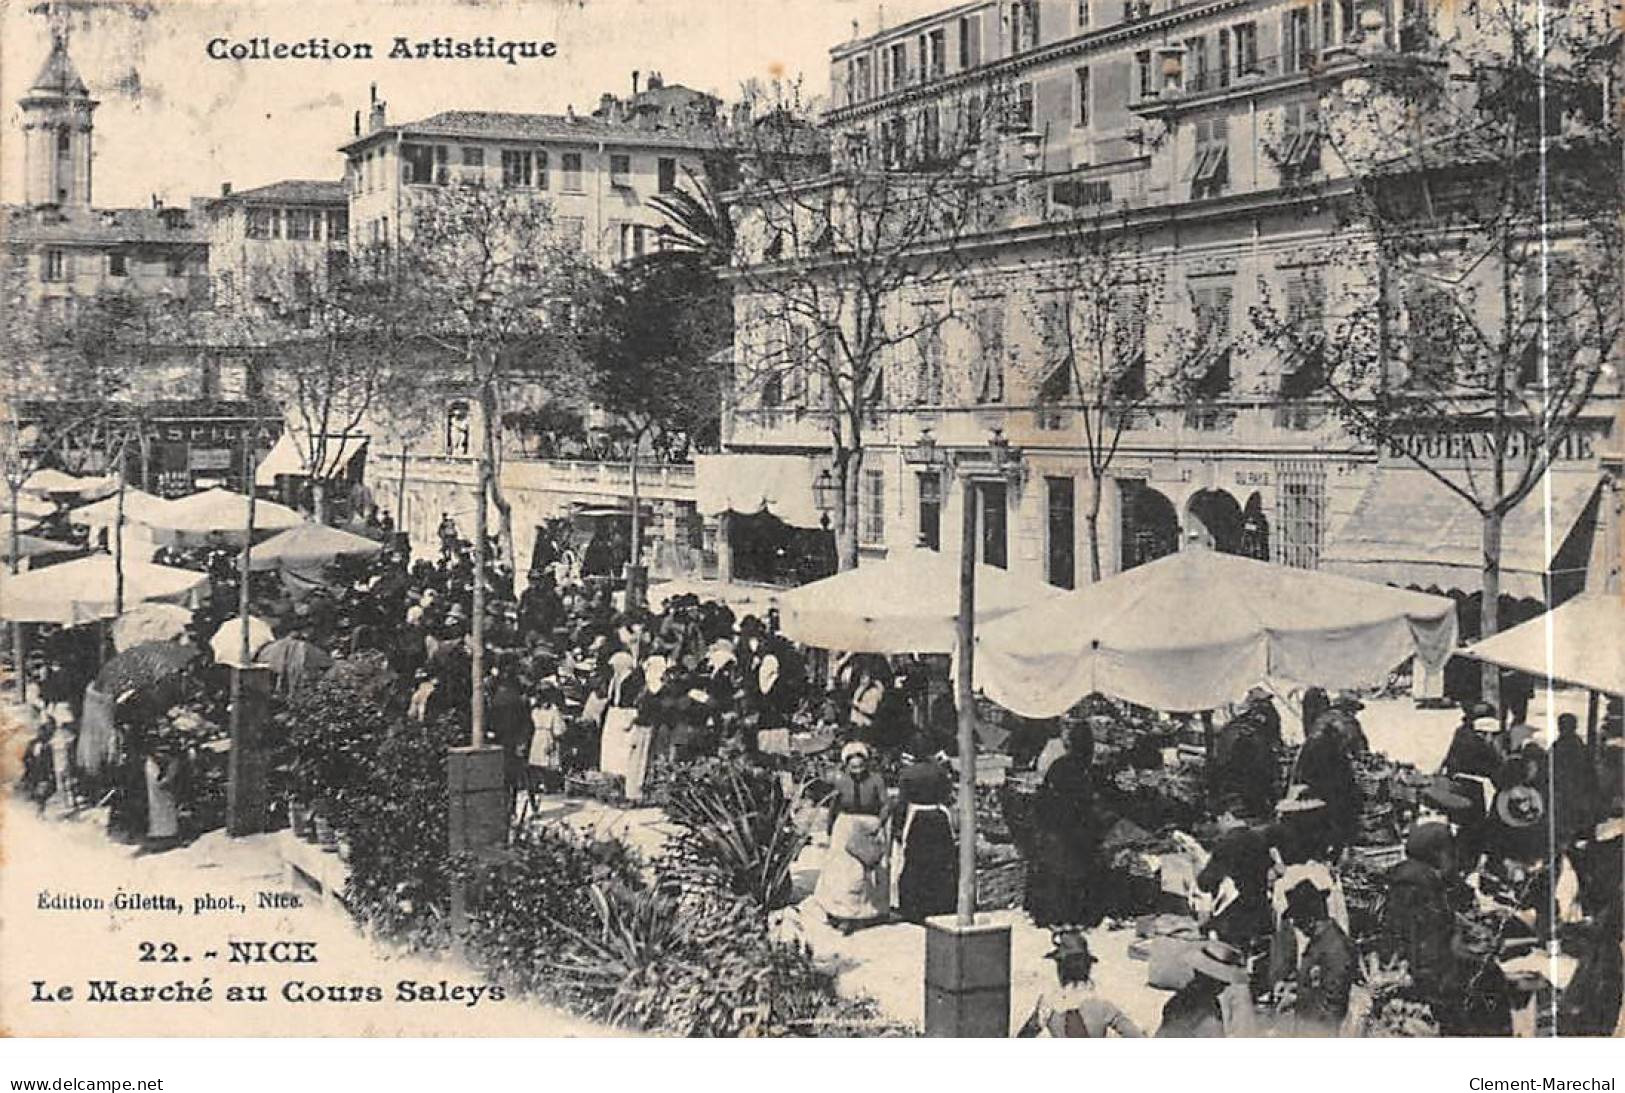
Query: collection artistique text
[488,48]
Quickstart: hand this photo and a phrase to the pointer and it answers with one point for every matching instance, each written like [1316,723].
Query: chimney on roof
[634,83]
[225,189]
[376,121]
[157,202]
[656,81]
[570,113]
[358,123]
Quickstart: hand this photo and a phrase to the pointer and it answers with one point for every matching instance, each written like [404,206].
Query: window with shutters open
[1210,306]
[1297,43]
[1303,373]
[1209,170]
[1551,312]
[872,508]
[928,379]
[1055,384]
[1128,379]
[987,366]
[1299,154]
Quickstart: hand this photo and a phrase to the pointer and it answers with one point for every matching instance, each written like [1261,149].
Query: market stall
[1194,630]
[86,590]
[303,552]
[1579,643]
[907,603]
[215,517]
[51,482]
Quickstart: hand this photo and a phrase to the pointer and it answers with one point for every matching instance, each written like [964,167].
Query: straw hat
[1297,800]
[1520,806]
[1217,960]
[854,747]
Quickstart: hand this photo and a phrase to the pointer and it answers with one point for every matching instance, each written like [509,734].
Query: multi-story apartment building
[596,171]
[1194,128]
[278,244]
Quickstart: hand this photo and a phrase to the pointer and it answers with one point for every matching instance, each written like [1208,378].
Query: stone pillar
[246,763]
[478,817]
[725,553]
[967,978]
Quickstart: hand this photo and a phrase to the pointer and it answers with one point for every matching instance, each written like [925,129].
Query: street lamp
[824,491]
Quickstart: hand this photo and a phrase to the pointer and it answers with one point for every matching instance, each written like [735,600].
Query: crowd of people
[584,692]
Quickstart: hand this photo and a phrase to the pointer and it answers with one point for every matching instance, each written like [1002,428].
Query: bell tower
[56,132]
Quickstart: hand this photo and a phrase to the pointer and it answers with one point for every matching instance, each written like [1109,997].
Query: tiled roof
[57,76]
[582,127]
[103,226]
[291,191]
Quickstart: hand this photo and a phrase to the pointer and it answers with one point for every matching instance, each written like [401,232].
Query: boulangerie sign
[731,519]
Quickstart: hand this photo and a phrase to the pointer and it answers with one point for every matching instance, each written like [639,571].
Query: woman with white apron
[854,885]
[927,883]
[615,746]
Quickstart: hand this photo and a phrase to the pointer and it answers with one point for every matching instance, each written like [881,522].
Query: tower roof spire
[58,76]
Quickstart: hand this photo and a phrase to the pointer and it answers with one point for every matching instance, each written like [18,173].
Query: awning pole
[1593,743]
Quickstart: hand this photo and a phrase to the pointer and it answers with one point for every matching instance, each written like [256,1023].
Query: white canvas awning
[1410,529]
[84,590]
[1582,642]
[907,603]
[139,508]
[753,483]
[1194,630]
[292,457]
[217,516]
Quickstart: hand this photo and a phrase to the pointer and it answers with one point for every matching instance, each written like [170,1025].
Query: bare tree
[1098,299]
[1476,165]
[333,345]
[825,262]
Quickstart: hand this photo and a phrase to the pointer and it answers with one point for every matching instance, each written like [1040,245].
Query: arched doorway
[1255,529]
[1149,526]
[1216,520]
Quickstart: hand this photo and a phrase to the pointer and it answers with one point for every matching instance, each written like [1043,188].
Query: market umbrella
[28,509]
[1581,642]
[140,507]
[51,482]
[144,666]
[85,590]
[227,642]
[150,622]
[306,549]
[294,659]
[908,603]
[1194,630]
[216,516]
[31,546]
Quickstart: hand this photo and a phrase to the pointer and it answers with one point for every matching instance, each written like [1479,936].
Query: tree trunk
[400,494]
[476,657]
[318,498]
[634,565]
[1093,522]
[965,699]
[489,427]
[118,543]
[17,653]
[1489,613]
[848,476]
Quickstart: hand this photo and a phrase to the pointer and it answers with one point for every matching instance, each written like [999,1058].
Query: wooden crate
[1001,885]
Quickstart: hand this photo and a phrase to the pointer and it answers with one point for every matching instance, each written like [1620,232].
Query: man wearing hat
[1075,1010]
[1211,1004]
[1417,920]
[1472,749]
[1315,956]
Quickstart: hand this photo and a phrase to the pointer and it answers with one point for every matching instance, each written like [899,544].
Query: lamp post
[967,988]
[824,490]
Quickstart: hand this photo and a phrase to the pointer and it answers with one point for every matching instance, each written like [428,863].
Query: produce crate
[596,785]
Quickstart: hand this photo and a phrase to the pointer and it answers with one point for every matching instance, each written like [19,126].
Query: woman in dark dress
[1063,869]
[929,879]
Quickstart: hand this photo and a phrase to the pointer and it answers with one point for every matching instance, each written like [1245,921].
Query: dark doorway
[1217,514]
[930,531]
[1061,563]
[1255,530]
[995,524]
[1149,525]
[769,551]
